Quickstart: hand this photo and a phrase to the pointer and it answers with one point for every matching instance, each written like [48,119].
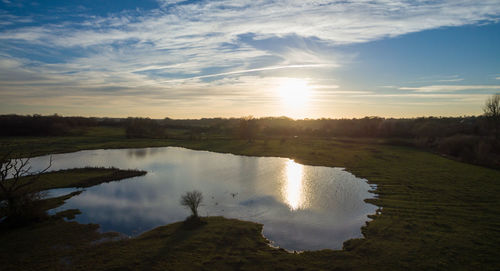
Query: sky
[233,58]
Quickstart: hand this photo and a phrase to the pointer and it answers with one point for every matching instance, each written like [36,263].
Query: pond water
[301,207]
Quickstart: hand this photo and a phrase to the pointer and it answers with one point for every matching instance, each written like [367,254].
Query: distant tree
[492,107]
[248,128]
[492,112]
[192,200]
[143,128]
[17,200]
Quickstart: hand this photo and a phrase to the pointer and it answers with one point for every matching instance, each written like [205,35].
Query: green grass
[92,138]
[437,214]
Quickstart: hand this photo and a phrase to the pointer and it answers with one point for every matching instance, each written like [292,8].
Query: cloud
[451,80]
[250,71]
[447,96]
[9,19]
[338,22]
[195,31]
[202,49]
[451,88]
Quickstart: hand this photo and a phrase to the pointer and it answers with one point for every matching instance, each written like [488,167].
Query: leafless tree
[192,200]
[492,112]
[492,107]
[16,176]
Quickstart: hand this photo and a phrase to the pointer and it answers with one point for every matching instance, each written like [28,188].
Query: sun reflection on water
[293,187]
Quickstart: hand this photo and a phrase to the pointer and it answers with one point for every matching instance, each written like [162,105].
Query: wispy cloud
[250,71]
[451,88]
[451,80]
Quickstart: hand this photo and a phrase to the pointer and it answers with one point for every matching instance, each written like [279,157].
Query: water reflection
[293,187]
[301,207]
[137,152]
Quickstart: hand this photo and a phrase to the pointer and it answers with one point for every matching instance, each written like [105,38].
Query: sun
[294,92]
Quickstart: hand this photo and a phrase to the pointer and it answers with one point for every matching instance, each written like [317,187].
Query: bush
[460,146]
[192,200]
[473,149]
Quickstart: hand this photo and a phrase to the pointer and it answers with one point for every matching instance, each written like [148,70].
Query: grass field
[437,214]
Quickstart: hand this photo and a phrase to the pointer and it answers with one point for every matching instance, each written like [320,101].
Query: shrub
[192,200]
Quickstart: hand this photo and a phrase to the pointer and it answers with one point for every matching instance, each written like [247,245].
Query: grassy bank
[437,214]
[92,138]
[82,177]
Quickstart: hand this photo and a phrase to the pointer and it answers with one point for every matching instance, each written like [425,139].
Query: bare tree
[192,200]
[16,176]
[492,107]
[492,112]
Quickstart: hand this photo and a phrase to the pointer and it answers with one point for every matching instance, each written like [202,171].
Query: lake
[301,207]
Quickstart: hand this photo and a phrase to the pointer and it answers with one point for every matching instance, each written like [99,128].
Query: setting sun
[294,92]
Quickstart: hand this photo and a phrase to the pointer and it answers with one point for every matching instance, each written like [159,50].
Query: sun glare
[293,186]
[294,92]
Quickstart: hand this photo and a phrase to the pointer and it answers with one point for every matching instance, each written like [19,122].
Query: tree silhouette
[492,107]
[192,200]
[492,112]
[16,198]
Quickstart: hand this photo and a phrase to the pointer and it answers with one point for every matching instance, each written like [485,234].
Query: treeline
[431,127]
[377,127]
[37,125]
[373,127]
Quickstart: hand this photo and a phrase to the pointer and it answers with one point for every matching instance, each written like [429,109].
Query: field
[436,214]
